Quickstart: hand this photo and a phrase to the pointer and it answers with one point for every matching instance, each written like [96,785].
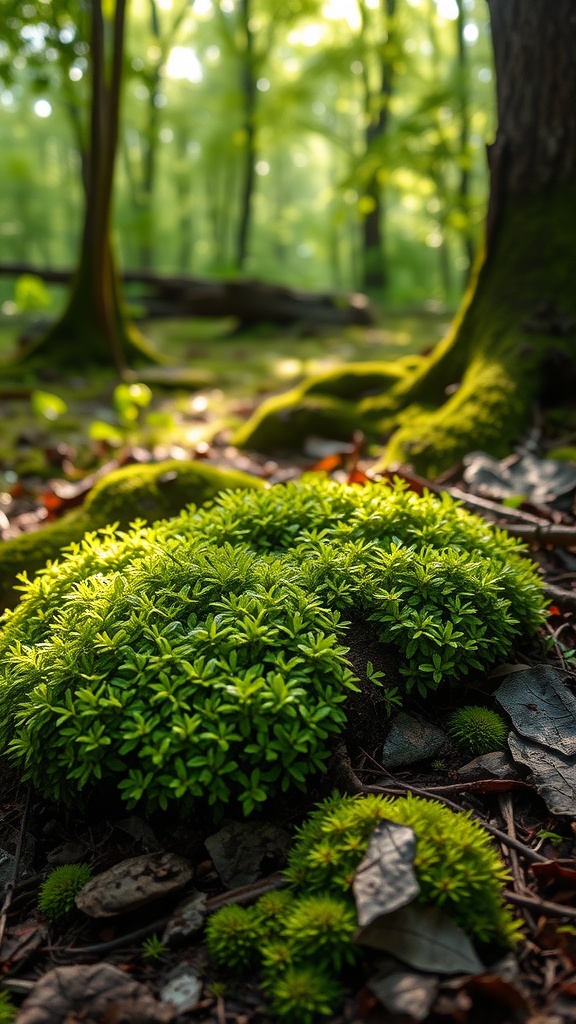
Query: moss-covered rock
[202,658]
[147,492]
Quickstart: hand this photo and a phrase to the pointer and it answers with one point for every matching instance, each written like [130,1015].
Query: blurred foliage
[179,179]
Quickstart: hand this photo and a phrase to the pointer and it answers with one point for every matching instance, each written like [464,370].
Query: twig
[244,894]
[11,885]
[526,851]
[432,794]
[540,906]
[564,598]
[546,533]
[506,810]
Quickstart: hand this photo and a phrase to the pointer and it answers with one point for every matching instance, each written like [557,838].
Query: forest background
[336,144]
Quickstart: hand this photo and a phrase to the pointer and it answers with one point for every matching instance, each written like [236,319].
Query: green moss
[147,492]
[325,404]
[8,1011]
[283,423]
[456,865]
[300,994]
[232,936]
[59,891]
[202,658]
[477,730]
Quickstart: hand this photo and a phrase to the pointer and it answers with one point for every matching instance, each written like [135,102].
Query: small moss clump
[232,936]
[301,993]
[8,1011]
[60,889]
[203,657]
[456,865]
[477,730]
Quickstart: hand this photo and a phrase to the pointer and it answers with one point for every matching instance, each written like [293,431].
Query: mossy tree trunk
[94,327]
[513,343]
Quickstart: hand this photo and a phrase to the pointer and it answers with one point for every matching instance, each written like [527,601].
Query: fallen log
[250,301]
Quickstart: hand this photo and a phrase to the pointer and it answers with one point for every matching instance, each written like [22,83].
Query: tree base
[511,346]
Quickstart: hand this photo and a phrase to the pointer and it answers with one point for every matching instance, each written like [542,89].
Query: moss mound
[133,492]
[202,657]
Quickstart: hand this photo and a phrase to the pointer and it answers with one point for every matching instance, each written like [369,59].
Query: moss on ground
[201,658]
[511,345]
[148,492]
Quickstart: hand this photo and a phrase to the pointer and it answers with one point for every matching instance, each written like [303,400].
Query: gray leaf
[425,938]
[541,707]
[385,879]
[553,774]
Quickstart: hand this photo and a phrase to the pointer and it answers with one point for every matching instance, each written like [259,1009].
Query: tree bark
[374,273]
[93,327]
[248,87]
[535,57]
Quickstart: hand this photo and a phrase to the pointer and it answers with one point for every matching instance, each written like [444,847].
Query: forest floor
[59,438]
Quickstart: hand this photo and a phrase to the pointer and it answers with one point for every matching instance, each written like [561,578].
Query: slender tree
[377,109]
[94,327]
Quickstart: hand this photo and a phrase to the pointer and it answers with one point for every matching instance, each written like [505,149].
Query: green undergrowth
[204,657]
[147,492]
[299,936]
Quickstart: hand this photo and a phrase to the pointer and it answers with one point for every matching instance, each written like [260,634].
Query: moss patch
[202,658]
[133,492]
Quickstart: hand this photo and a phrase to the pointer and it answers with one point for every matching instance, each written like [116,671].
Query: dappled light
[287,511]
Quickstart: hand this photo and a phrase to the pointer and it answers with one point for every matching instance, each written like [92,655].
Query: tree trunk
[248,86]
[93,327]
[464,144]
[374,275]
[513,343]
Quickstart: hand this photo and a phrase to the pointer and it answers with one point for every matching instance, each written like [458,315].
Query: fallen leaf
[541,707]
[92,992]
[22,940]
[385,879]
[133,883]
[425,938]
[553,775]
[541,481]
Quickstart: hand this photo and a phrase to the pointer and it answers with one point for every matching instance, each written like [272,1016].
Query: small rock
[183,988]
[188,917]
[410,739]
[92,992]
[132,883]
[497,765]
[239,851]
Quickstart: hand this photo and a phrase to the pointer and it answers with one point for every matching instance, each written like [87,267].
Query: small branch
[526,851]
[540,906]
[545,533]
[11,885]
[565,599]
